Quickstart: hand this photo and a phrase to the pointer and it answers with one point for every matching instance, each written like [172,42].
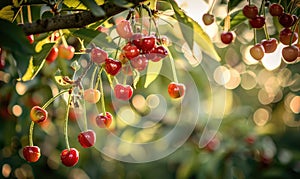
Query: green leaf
[36,62]
[62,81]
[237,18]
[136,79]
[233,3]
[93,6]
[193,32]
[153,71]
[151,3]
[122,3]
[7,13]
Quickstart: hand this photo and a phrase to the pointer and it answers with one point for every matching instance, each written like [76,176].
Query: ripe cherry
[257,22]
[31,153]
[290,53]
[276,9]
[136,39]
[208,18]
[104,121]
[2,58]
[87,138]
[286,20]
[52,55]
[269,45]
[124,29]
[69,157]
[176,90]
[98,55]
[257,52]
[157,53]
[30,38]
[227,37]
[130,51]
[148,43]
[123,92]
[140,62]
[38,114]
[250,11]
[66,52]
[112,66]
[285,36]
[91,95]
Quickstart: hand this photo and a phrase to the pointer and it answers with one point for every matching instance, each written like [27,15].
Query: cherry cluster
[256,16]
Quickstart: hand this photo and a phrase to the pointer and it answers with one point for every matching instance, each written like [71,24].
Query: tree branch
[76,20]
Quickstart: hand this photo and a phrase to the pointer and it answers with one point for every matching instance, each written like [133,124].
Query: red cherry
[124,29]
[69,157]
[130,51]
[269,45]
[112,66]
[123,92]
[257,52]
[208,18]
[226,37]
[2,58]
[31,153]
[176,90]
[286,20]
[148,43]
[250,11]
[98,55]
[212,145]
[52,55]
[104,121]
[290,53]
[38,114]
[140,62]
[250,140]
[30,38]
[257,22]
[91,95]
[137,40]
[285,36]
[87,138]
[276,9]
[66,52]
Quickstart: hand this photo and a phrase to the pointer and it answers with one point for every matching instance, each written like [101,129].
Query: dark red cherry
[269,45]
[276,9]
[69,157]
[227,37]
[290,53]
[87,138]
[148,43]
[285,36]
[250,11]
[136,39]
[112,66]
[31,153]
[140,62]
[257,22]
[104,121]
[130,51]
[286,20]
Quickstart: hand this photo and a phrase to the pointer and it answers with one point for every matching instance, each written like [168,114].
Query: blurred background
[258,136]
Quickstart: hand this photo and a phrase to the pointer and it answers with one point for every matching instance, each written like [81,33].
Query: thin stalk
[93,77]
[84,117]
[29,14]
[173,66]
[31,133]
[53,98]
[212,7]
[67,119]
[102,95]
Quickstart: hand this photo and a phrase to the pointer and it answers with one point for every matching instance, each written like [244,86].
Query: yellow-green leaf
[136,78]
[153,71]
[62,81]
[32,70]
[151,3]
[7,13]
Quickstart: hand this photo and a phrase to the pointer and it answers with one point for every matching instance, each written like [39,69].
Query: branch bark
[76,20]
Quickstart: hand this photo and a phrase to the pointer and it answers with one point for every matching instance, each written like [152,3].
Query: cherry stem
[173,66]
[212,7]
[53,98]
[84,116]
[102,94]
[119,41]
[78,80]
[31,133]
[293,29]
[63,38]
[21,15]
[29,14]
[93,77]
[255,36]
[261,7]
[67,118]
[266,32]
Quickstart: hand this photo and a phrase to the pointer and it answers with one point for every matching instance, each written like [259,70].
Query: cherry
[286,20]
[295,18]
[250,11]
[176,90]
[285,36]
[130,51]
[140,62]
[250,140]
[269,45]
[157,53]
[123,92]
[208,18]
[30,38]
[66,52]
[226,37]
[137,40]
[2,58]
[91,95]
[38,114]
[148,43]
[276,9]
[212,145]
[98,55]
[87,138]
[104,121]
[257,22]
[290,53]
[112,66]
[69,157]
[257,52]
[31,153]
[52,55]
[124,29]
